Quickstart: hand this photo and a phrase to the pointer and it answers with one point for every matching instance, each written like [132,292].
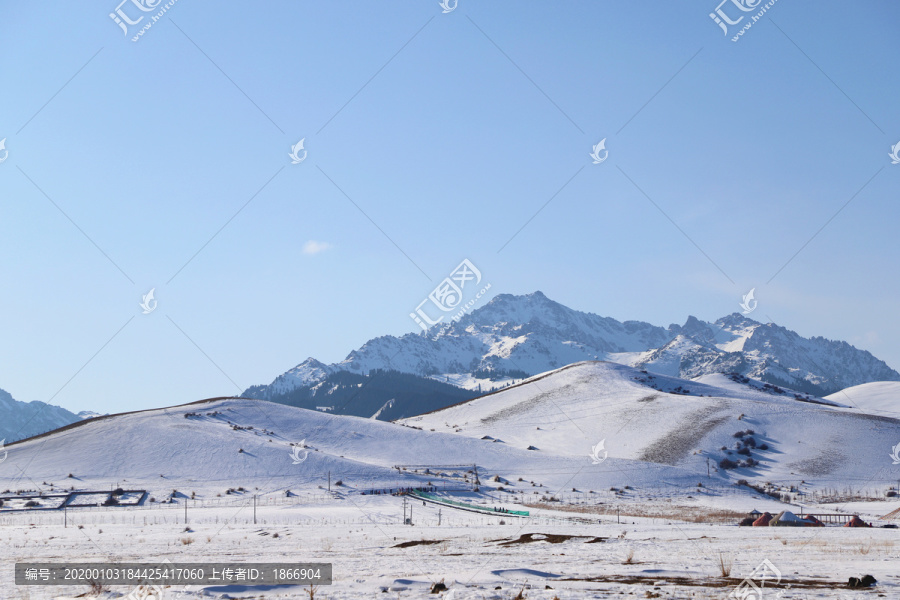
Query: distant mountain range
[513,337]
[20,420]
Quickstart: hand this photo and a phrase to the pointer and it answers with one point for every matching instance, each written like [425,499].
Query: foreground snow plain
[638,557]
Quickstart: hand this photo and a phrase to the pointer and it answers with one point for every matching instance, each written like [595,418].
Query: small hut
[763,520]
[856,522]
[786,519]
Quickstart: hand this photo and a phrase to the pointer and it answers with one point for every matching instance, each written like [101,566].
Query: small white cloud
[314,247]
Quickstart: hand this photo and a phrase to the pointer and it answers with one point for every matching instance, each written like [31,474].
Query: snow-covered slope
[513,337]
[589,425]
[878,398]
[19,420]
[212,446]
[640,416]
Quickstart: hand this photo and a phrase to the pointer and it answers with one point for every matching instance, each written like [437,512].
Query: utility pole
[254,509]
[707,468]
[617,514]
[65,516]
[404,510]
[439,517]
[185,511]
[329,481]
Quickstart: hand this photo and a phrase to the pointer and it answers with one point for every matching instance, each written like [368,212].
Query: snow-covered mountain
[382,395]
[19,420]
[513,337]
[88,414]
[767,352]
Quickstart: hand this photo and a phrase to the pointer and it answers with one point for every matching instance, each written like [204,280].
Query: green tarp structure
[436,498]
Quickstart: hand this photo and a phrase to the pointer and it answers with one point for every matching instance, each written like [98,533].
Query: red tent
[763,521]
[857,522]
[813,522]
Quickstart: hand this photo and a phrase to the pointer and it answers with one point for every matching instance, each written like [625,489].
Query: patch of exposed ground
[551,538]
[823,464]
[682,439]
[520,408]
[417,543]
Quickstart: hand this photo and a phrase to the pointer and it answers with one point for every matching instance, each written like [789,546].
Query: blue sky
[431,137]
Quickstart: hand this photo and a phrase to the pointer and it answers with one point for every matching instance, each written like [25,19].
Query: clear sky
[431,137]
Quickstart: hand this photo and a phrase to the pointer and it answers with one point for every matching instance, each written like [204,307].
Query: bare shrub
[725,565]
[187,541]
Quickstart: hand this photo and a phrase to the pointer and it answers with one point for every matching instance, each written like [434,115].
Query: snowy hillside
[513,337]
[19,420]
[652,428]
[657,419]
[878,398]
[213,446]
